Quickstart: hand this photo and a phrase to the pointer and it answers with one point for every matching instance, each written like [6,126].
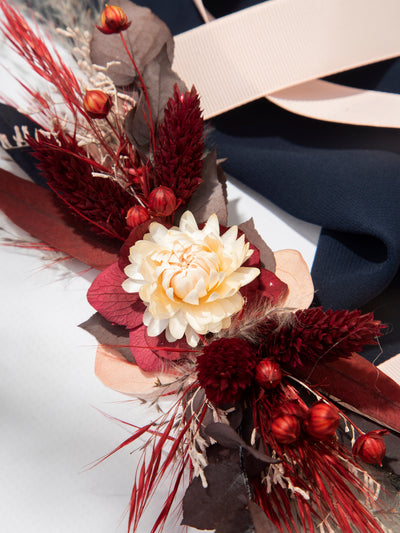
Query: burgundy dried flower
[286,428]
[316,333]
[162,201]
[136,216]
[268,374]
[113,20]
[100,202]
[225,369]
[370,447]
[179,151]
[322,421]
[97,104]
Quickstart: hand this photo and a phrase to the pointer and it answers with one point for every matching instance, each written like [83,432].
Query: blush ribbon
[279,49]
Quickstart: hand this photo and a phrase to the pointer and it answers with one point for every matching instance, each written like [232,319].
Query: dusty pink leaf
[293,270]
[115,372]
[146,36]
[210,196]
[108,297]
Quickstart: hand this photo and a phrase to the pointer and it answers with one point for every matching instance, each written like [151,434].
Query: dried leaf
[109,334]
[214,506]
[155,353]
[293,270]
[266,254]
[108,297]
[357,384]
[159,79]
[227,437]
[115,372]
[145,37]
[262,523]
[210,196]
[37,211]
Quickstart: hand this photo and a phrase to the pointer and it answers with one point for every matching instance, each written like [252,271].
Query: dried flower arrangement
[191,309]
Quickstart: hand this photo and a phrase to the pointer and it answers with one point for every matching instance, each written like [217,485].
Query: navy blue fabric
[344,178]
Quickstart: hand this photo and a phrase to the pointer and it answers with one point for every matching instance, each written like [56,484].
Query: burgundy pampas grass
[180,145]
[316,333]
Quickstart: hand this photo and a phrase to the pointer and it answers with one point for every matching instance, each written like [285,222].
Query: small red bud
[97,104]
[113,20]
[322,421]
[136,216]
[268,374]
[162,201]
[286,428]
[371,447]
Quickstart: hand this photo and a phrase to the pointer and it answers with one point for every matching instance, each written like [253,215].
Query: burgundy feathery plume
[316,333]
[102,202]
[34,50]
[180,145]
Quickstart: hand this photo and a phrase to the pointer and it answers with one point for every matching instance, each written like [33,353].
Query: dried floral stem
[145,92]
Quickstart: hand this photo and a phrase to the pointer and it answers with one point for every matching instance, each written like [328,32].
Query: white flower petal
[189,278]
[156,327]
[132,285]
[177,325]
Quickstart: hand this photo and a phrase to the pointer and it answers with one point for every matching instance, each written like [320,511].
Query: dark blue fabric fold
[344,178]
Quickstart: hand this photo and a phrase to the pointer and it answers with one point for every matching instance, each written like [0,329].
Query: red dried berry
[268,374]
[371,447]
[293,408]
[136,216]
[97,104]
[113,20]
[286,428]
[162,201]
[322,421]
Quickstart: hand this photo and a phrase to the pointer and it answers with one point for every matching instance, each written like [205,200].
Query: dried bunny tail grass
[248,323]
[53,13]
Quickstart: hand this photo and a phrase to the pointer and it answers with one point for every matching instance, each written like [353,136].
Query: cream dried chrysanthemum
[189,278]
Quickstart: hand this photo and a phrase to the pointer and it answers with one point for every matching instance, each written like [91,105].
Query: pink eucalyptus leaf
[108,297]
[293,270]
[115,372]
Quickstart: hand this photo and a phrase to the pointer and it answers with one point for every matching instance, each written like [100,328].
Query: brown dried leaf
[110,334]
[210,196]
[261,522]
[227,437]
[146,36]
[267,257]
[159,79]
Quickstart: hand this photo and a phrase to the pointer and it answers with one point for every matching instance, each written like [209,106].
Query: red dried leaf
[154,354]
[108,297]
[35,209]
[357,383]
